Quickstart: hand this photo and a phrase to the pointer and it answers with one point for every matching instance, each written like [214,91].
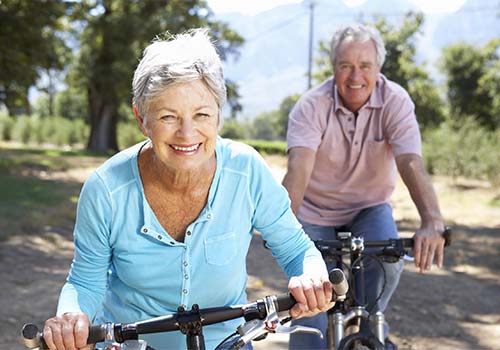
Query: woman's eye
[203,115]
[168,118]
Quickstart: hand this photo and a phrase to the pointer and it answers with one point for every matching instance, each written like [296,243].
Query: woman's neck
[178,180]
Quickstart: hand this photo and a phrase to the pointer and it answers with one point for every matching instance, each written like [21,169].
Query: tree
[489,84]
[233,98]
[473,81]
[116,32]
[71,103]
[30,41]
[281,123]
[263,126]
[400,67]
[233,129]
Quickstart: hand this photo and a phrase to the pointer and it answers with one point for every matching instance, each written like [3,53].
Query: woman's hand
[312,293]
[67,332]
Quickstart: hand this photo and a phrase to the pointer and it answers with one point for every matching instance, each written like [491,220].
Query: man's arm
[300,166]
[428,238]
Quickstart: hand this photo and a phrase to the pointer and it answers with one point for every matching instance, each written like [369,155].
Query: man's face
[356,72]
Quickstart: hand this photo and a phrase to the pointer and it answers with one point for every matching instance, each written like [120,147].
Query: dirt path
[457,307]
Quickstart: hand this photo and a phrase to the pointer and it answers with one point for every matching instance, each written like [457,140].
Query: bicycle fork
[337,322]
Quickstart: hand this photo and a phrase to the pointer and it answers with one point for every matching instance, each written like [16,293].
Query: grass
[28,205]
[32,199]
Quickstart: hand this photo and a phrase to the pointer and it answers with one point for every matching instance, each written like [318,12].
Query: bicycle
[344,331]
[261,317]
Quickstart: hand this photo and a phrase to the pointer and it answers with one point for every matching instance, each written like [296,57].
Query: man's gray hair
[185,57]
[358,32]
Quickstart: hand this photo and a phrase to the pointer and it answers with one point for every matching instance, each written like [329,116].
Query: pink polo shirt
[355,164]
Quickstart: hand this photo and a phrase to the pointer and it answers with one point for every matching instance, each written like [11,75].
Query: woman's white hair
[357,32]
[185,57]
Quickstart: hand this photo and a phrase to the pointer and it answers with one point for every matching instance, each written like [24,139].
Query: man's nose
[355,72]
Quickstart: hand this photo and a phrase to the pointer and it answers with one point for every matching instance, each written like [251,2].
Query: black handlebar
[122,332]
[394,242]
[254,310]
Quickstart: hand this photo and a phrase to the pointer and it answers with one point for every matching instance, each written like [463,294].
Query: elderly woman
[168,222]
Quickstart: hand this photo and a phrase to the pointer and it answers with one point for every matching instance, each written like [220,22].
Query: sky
[255,6]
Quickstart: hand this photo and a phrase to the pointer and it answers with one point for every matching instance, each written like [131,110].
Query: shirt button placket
[186,285]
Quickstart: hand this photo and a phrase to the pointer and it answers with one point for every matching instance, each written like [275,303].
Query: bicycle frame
[353,308]
[342,313]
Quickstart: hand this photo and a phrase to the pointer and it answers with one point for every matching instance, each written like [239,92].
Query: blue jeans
[374,223]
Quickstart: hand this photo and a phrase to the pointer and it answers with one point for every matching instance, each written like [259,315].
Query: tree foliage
[264,126]
[111,43]
[234,129]
[400,66]
[281,122]
[31,42]
[473,81]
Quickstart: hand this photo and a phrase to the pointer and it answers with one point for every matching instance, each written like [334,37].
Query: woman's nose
[186,128]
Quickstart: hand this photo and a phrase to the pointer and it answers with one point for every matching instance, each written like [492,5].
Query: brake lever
[254,329]
[299,329]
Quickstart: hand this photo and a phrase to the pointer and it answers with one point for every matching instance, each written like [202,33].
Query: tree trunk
[103,121]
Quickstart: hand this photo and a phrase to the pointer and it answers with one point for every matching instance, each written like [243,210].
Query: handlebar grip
[285,302]
[96,334]
[447,236]
[32,338]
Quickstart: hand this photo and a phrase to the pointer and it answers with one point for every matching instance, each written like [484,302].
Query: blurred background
[66,68]
[65,106]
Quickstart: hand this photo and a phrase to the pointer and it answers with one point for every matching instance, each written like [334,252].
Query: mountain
[274,59]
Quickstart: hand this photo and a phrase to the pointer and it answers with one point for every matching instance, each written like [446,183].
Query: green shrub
[233,130]
[81,132]
[467,150]
[129,134]
[37,135]
[6,124]
[39,130]
[22,129]
[267,147]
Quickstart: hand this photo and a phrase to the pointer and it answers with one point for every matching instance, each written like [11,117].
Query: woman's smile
[186,149]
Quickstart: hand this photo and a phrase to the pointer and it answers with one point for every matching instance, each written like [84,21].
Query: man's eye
[345,66]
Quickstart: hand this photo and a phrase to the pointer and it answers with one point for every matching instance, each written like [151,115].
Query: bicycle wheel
[361,341]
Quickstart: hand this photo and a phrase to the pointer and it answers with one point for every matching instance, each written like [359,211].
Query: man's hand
[429,241]
[428,244]
[312,293]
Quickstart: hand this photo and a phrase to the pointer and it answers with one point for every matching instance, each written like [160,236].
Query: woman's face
[182,125]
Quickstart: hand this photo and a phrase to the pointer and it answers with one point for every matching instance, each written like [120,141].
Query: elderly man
[347,138]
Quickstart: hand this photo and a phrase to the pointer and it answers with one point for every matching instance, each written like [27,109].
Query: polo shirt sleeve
[402,128]
[86,284]
[306,124]
[273,217]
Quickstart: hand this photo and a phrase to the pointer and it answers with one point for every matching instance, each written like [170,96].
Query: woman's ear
[140,120]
